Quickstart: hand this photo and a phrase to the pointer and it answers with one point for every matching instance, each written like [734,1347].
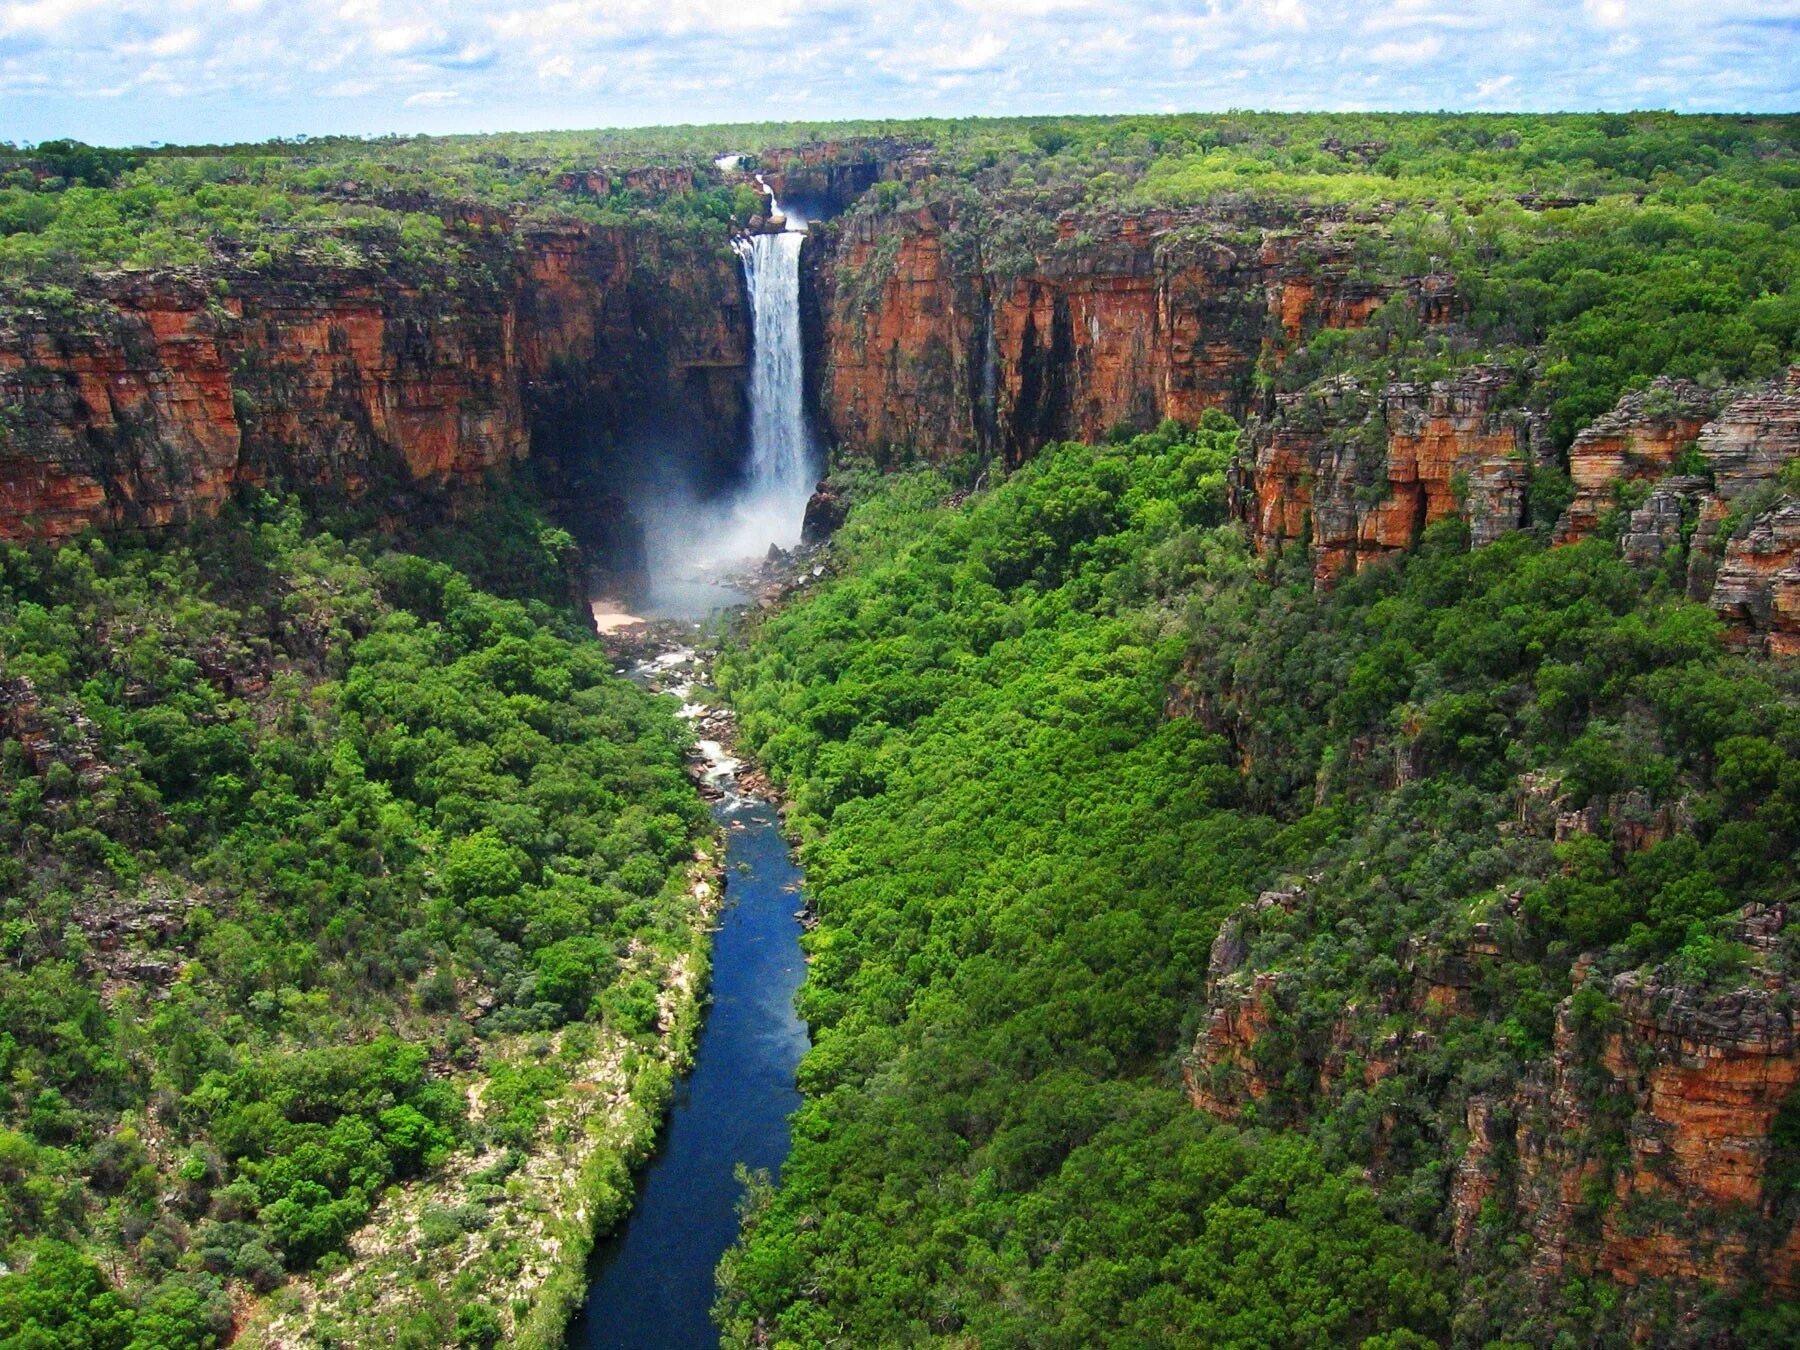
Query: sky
[126,72]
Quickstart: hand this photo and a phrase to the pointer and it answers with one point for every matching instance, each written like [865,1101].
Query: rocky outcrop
[1643,1147]
[825,513]
[1360,474]
[150,400]
[1753,438]
[834,173]
[1643,1151]
[941,337]
[1715,509]
[1225,1073]
[1757,590]
[122,415]
[1639,440]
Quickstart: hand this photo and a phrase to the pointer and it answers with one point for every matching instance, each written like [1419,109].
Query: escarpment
[1646,1146]
[147,400]
[603,351]
[942,337]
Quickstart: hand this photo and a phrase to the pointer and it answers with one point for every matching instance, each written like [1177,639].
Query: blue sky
[134,71]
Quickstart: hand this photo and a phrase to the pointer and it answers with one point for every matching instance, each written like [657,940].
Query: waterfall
[781,452]
[691,539]
[783,465]
[988,398]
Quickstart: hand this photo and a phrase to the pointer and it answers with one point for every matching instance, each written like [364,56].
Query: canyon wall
[1646,1146]
[1356,473]
[937,338]
[1359,473]
[149,398]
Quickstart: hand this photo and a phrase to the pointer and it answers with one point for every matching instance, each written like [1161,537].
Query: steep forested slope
[1043,746]
[324,872]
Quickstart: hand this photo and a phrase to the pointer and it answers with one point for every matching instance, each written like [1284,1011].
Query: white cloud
[42,16]
[1284,13]
[1406,53]
[175,43]
[375,65]
[978,54]
[406,37]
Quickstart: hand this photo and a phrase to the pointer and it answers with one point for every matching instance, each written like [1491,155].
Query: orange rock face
[1638,440]
[1640,1148]
[1757,591]
[934,348]
[1751,576]
[1702,1078]
[344,379]
[1361,475]
[1222,1075]
[164,394]
[129,420]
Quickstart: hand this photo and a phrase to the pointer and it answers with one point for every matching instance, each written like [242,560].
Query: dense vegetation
[313,844]
[303,841]
[1019,859]
[1591,253]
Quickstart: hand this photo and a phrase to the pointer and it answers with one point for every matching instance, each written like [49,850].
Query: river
[651,1281]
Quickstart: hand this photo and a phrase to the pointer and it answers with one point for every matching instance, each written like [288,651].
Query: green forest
[304,838]
[1201,951]
[1020,861]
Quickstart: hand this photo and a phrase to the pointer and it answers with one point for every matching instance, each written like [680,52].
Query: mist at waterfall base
[690,539]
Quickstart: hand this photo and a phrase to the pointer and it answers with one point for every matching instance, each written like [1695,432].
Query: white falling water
[771,506]
[781,451]
[691,541]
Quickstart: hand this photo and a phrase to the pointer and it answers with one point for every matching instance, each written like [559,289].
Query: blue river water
[651,1281]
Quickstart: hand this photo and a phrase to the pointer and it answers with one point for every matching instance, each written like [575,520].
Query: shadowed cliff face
[162,393]
[635,369]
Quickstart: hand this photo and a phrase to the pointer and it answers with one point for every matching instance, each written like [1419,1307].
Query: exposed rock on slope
[1361,474]
[1640,1150]
[1725,518]
[1757,591]
[1639,439]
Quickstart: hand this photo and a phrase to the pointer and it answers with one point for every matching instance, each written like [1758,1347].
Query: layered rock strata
[1359,474]
[940,338]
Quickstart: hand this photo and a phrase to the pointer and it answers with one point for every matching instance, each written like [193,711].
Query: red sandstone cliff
[1726,518]
[1638,441]
[1639,1149]
[1361,473]
[934,343]
[148,403]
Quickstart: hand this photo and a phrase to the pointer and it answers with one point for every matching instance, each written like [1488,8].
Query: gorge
[1291,741]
